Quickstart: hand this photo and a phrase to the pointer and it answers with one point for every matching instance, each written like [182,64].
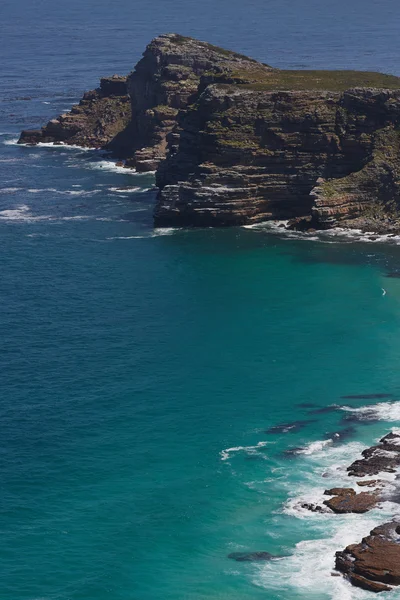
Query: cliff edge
[235,141]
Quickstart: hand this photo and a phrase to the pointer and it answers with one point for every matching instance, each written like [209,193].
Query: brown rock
[369,483]
[340,492]
[374,563]
[346,500]
[368,584]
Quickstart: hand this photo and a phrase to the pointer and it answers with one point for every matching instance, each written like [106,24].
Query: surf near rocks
[374,563]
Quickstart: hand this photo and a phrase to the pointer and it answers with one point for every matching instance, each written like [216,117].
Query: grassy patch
[337,81]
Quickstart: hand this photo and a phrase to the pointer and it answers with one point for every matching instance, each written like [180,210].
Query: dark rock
[313,508]
[113,86]
[366,417]
[95,122]
[341,434]
[252,556]
[289,427]
[383,457]
[324,409]
[369,483]
[374,563]
[301,223]
[33,137]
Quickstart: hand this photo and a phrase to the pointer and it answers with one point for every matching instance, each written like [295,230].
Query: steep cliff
[247,155]
[132,116]
[235,141]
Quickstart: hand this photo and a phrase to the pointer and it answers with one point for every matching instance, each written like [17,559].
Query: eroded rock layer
[374,563]
[384,457]
[246,155]
[95,122]
[236,141]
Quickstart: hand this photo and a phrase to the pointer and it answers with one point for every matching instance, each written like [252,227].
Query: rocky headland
[236,142]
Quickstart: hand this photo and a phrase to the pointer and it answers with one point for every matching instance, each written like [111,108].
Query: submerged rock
[324,409]
[253,556]
[289,427]
[374,563]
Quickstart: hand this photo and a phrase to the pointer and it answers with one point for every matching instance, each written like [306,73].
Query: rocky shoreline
[372,564]
[236,142]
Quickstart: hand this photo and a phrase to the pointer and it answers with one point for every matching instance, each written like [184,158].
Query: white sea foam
[129,237]
[63,146]
[383,411]
[164,231]
[20,213]
[150,234]
[338,234]
[314,447]
[12,142]
[109,165]
[307,573]
[228,452]
[125,189]
[63,192]
[10,190]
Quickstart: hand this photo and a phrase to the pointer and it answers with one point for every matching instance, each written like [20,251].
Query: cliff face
[132,116]
[166,80]
[247,155]
[235,141]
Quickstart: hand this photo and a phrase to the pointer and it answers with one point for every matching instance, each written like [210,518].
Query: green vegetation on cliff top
[335,81]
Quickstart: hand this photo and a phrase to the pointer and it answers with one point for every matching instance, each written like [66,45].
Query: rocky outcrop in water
[235,141]
[385,456]
[374,563]
[346,500]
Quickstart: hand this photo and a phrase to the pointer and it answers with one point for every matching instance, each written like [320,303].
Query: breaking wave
[228,452]
[383,411]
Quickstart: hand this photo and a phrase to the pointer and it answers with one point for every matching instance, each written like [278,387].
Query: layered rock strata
[250,153]
[384,457]
[346,500]
[173,71]
[235,141]
[374,563]
[94,123]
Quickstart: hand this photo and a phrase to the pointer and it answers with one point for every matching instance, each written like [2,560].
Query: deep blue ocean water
[141,370]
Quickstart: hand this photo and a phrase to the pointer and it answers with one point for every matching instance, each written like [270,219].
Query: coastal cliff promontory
[236,142]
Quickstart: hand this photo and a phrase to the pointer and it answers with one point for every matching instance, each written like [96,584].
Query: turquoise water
[141,370]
